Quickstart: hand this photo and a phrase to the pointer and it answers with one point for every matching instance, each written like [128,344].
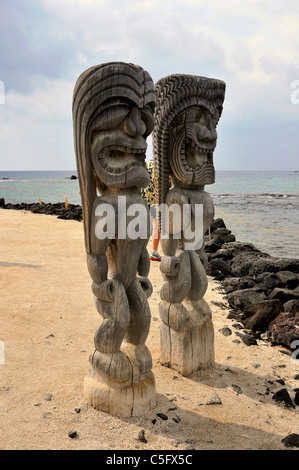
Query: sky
[252,45]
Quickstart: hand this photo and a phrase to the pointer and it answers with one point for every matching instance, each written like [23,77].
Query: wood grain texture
[113,107]
[187,111]
[186,337]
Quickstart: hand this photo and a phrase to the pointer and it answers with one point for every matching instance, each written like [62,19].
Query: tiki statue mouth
[198,154]
[119,160]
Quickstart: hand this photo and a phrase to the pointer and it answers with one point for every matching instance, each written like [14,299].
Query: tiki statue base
[186,337]
[115,398]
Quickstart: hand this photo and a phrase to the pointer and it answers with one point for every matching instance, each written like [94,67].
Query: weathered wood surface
[113,115]
[187,111]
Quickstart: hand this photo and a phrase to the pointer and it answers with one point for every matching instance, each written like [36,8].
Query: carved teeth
[126,150]
[200,150]
[137,150]
[118,169]
[197,148]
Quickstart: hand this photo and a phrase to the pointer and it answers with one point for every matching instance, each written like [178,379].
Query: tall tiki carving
[113,106]
[187,111]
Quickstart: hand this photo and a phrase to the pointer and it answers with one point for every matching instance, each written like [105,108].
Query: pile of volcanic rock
[59,209]
[261,290]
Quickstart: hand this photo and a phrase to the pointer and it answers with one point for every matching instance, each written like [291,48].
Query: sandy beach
[47,324]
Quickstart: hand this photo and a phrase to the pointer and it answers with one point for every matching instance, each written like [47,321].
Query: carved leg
[137,333]
[140,315]
[186,330]
[116,383]
[112,304]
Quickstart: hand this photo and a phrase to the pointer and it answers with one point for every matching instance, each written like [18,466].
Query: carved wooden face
[118,143]
[193,140]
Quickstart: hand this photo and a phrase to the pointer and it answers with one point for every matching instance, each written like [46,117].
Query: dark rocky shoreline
[262,291]
[73,212]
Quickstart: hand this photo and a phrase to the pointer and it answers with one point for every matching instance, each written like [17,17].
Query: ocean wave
[35,180]
[279,203]
[279,195]
[8,180]
[256,195]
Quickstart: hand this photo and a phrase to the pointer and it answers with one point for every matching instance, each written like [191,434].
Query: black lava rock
[284,295]
[284,329]
[247,339]
[231,284]
[283,396]
[243,298]
[218,267]
[288,279]
[291,306]
[271,281]
[226,331]
[259,315]
[162,416]
[217,223]
[141,436]
[292,440]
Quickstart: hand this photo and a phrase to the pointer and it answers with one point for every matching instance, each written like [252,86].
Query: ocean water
[258,207]
[28,186]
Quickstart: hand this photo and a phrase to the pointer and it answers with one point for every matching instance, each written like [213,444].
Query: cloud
[52,101]
[252,45]
[32,47]
[36,129]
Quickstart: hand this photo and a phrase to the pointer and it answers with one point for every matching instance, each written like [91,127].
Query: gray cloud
[47,44]
[30,50]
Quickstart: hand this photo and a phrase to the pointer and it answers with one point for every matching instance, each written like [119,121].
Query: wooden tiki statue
[187,111]
[113,106]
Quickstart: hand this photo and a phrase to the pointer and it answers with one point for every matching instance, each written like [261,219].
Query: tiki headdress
[184,103]
[109,145]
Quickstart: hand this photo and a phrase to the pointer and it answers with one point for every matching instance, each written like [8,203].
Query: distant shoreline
[73,212]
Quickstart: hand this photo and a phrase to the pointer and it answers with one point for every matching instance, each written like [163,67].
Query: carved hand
[146,285]
[170,265]
[104,290]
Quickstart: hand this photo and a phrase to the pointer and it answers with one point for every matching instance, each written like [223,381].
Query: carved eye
[194,114]
[113,116]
